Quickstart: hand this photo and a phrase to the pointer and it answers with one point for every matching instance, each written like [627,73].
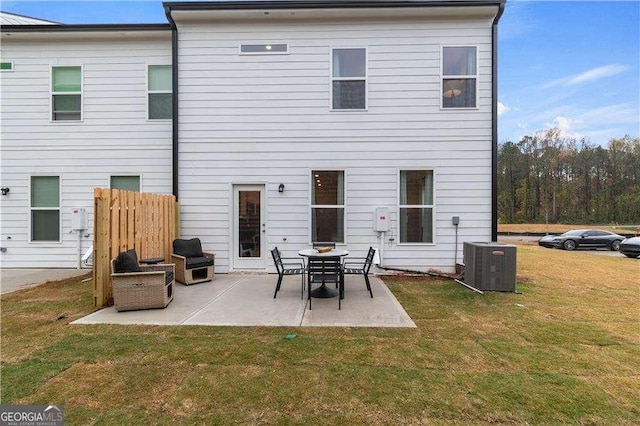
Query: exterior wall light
[281,187]
[6,190]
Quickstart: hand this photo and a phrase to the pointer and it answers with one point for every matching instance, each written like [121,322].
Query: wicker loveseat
[192,264]
[140,287]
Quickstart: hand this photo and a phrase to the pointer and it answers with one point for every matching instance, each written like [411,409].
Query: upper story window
[264,49]
[160,97]
[349,79]
[129,183]
[327,206]
[416,206]
[45,208]
[66,93]
[459,77]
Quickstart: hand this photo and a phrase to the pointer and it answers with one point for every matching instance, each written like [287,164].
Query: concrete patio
[247,300]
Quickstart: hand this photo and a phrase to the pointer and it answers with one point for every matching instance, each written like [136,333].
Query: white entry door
[249,227]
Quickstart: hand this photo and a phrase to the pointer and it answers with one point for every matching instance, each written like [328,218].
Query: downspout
[174,73]
[494,122]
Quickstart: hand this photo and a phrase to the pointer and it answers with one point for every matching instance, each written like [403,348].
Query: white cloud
[587,76]
[502,108]
[567,126]
[596,74]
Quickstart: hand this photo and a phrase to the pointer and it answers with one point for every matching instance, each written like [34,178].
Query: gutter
[321,4]
[494,122]
[174,82]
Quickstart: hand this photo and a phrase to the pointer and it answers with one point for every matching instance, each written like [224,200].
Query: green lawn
[566,350]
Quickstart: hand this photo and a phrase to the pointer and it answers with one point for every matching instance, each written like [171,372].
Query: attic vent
[264,49]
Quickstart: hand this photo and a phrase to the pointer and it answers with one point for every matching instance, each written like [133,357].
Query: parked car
[630,247]
[583,238]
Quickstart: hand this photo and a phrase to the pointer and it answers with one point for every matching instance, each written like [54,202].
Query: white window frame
[139,176]
[160,92]
[475,76]
[7,62]
[240,52]
[59,208]
[52,94]
[343,206]
[431,206]
[365,78]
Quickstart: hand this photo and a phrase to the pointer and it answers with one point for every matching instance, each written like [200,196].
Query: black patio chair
[325,270]
[288,268]
[361,267]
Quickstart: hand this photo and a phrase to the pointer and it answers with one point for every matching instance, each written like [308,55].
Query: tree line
[550,178]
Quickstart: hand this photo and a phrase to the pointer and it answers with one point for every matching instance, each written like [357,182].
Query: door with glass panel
[249,236]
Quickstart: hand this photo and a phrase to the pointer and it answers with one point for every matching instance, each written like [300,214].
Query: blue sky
[574,65]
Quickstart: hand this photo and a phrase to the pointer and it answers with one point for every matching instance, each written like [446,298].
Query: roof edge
[322,4]
[83,27]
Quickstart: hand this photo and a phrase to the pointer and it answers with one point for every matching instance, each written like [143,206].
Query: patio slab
[247,300]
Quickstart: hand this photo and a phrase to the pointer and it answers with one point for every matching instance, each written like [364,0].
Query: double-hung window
[45,208]
[66,93]
[349,79]
[327,206]
[459,77]
[129,183]
[160,98]
[416,206]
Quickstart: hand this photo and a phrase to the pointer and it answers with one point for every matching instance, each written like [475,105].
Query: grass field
[565,351]
[559,228]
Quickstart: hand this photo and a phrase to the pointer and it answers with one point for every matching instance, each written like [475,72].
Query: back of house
[275,123]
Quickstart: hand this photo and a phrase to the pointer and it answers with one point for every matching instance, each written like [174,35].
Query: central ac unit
[490,266]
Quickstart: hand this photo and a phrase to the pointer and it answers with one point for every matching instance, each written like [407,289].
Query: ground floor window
[45,208]
[129,183]
[327,206]
[416,206]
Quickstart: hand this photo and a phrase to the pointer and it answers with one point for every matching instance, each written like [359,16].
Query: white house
[275,123]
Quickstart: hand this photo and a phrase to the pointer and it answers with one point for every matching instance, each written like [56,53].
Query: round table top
[314,253]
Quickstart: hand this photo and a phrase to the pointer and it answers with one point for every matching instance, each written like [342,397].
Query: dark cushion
[168,277]
[188,248]
[127,261]
[199,262]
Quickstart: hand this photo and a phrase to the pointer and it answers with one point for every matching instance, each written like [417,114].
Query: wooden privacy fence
[126,220]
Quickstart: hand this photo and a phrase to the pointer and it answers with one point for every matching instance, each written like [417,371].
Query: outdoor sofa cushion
[188,248]
[127,261]
[198,262]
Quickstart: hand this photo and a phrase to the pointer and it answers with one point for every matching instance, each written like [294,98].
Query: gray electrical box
[490,266]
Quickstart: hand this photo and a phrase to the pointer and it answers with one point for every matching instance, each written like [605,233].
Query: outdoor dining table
[323,291]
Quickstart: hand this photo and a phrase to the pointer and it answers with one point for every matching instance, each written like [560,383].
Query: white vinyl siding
[115,137]
[265,119]
[45,208]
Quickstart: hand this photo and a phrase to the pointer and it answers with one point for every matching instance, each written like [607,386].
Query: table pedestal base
[323,292]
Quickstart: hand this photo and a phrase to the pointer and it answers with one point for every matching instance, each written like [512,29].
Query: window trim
[52,93]
[460,77]
[260,43]
[138,175]
[432,206]
[365,78]
[59,208]
[336,206]
[159,92]
[7,70]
